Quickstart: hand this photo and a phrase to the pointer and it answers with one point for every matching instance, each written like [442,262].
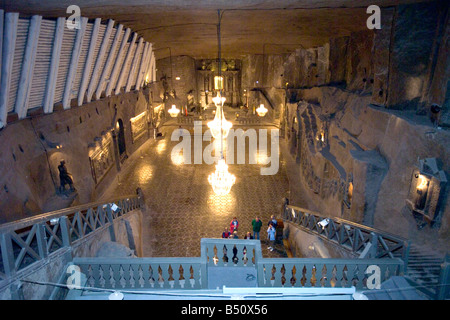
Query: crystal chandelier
[261,110]
[219,127]
[174,111]
[221,180]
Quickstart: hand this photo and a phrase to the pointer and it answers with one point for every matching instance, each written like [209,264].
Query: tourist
[271,236]
[248,235]
[234,224]
[226,234]
[235,235]
[273,221]
[257,224]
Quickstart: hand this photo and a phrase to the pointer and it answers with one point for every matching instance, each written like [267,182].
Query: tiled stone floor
[181,207]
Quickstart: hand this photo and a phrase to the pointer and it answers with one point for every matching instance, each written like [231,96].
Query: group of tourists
[232,232]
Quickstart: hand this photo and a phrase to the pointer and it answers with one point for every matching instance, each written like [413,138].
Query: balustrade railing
[31,240]
[364,241]
[142,273]
[230,253]
[331,273]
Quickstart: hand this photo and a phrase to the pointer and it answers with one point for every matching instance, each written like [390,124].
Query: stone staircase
[424,268]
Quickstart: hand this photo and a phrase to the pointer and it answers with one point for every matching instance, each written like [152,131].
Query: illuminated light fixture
[261,110]
[218,82]
[177,78]
[174,111]
[219,127]
[422,183]
[221,180]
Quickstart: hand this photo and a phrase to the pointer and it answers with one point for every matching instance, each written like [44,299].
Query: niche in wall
[426,193]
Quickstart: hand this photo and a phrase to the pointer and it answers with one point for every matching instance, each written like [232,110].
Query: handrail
[29,241]
[359,239]
[165,273]
[46,216]
[348,222]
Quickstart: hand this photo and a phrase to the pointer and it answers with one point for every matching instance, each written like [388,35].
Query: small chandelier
[219,127]
[174,111]
[221,180]
[261,110]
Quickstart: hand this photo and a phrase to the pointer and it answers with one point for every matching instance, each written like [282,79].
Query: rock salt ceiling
[189,27]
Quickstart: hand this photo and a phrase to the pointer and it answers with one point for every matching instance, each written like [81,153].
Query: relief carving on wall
[138,126]
[102,159]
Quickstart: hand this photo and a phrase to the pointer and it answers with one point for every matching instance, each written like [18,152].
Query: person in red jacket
[226,234]
[234,224]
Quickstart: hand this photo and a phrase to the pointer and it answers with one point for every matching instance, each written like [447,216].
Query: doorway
[121,137]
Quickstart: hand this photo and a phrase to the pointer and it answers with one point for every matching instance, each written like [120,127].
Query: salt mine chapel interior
[223,150]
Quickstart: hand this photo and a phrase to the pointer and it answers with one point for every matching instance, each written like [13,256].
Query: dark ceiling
[189,27]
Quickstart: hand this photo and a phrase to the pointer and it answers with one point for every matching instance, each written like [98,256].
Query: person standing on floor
[256,224]
[271,236]
[273,221]
[234,224]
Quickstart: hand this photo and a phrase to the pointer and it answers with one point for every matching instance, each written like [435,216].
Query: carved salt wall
[84,137]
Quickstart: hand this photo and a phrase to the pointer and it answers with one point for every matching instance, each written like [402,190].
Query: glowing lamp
[174,111]
[261,110]
[221,180]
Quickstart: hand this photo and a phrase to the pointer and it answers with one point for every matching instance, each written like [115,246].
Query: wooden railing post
[41,241]
[65,232]
[111,223]
[7,254]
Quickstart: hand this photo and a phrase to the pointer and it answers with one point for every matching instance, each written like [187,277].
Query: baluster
[225,256]
[132,276]
[112,275]
[307,275]
[151,279]
[90,279]
[283,272]
[160,277]
[170,278]
[335,280]
[95,275]
[122,279]
[293,280]
[141,279]
[192,281]
[181,278]
[271,274]
[101,278]
[215,257]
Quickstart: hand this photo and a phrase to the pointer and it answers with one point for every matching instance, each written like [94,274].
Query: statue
[65,177]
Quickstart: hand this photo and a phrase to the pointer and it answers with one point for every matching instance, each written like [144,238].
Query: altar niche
[427,190]
[208,81]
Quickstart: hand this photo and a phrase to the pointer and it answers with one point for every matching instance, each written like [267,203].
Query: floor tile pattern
[181,206]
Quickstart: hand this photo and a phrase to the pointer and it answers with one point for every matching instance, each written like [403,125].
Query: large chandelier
[221,180]
[261,110]
[219,127]
[174,111]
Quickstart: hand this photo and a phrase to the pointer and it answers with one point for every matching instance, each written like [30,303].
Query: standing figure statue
[65,177]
